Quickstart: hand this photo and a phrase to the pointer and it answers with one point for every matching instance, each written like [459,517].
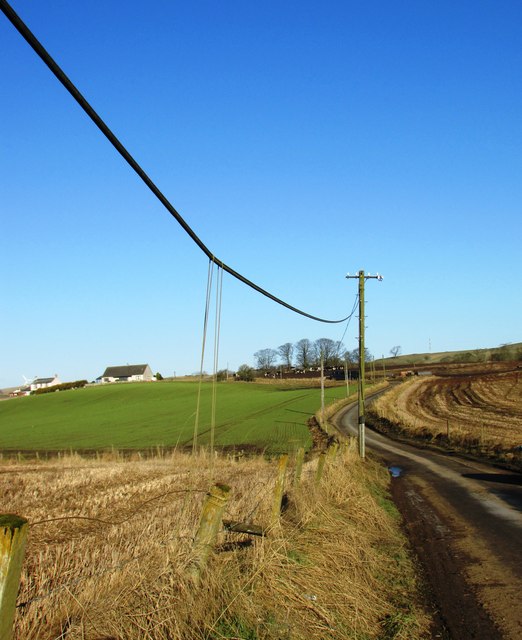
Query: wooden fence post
[13,536]
[211,516]
[320,467]
[332,450]
[279,489]
[299,459]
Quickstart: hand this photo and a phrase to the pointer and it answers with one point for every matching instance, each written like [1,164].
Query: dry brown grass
[110,542]
[482,410]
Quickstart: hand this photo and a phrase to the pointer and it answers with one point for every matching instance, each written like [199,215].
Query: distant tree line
[306,354]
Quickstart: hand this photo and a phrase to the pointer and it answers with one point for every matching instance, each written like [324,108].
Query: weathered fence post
[13,536]
[279,489]
[332,450]
[211,516]
[299,459]
[320,467]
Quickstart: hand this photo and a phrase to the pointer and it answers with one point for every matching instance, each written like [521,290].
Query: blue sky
[300,140]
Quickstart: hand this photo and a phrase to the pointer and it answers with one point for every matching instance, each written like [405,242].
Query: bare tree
[348,356]
[328,350]
[353,356]
[286,351]
[396,351]
[265,359]
[303,353]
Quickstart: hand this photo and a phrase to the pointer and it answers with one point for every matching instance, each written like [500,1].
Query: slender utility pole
[323,424]
[362,443]
[362,277]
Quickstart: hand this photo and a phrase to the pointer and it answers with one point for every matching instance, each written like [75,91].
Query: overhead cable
[349,318]
[36,45]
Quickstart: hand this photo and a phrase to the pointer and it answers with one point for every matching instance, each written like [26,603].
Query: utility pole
[362,277]
[323,424]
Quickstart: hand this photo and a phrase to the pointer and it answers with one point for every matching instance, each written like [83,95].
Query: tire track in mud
[457,611]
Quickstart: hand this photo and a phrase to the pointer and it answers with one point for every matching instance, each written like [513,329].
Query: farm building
[40,383]
[127,373]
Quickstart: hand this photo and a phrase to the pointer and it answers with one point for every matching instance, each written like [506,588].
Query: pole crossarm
[366,276]
[362,277]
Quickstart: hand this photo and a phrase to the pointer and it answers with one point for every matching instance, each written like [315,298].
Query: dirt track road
[464,519]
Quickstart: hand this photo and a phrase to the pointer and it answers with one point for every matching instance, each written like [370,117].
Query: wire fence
[120,522]
[161,551]
[110,523]
[257,495]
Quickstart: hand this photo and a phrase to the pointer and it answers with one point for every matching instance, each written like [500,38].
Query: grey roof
[42,380]
[125,371]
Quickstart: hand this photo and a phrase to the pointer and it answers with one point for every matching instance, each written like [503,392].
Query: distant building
[127,373]
[21,391]
[40,383]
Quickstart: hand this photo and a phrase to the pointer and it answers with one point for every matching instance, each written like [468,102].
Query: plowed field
[479,409]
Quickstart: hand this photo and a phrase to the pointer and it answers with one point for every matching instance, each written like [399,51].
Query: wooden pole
[244,527]
[279,489]
[332,450]
[320,467]
[13,537]
[211,516]
[361,407]
[323,424]
[299,459]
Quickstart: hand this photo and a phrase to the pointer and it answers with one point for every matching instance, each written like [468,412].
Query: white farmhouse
[41,383]
[128,373]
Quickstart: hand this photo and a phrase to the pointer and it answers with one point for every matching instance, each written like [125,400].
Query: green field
[505,353]
[141,416]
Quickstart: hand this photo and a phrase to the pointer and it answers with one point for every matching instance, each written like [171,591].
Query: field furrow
[484,411]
